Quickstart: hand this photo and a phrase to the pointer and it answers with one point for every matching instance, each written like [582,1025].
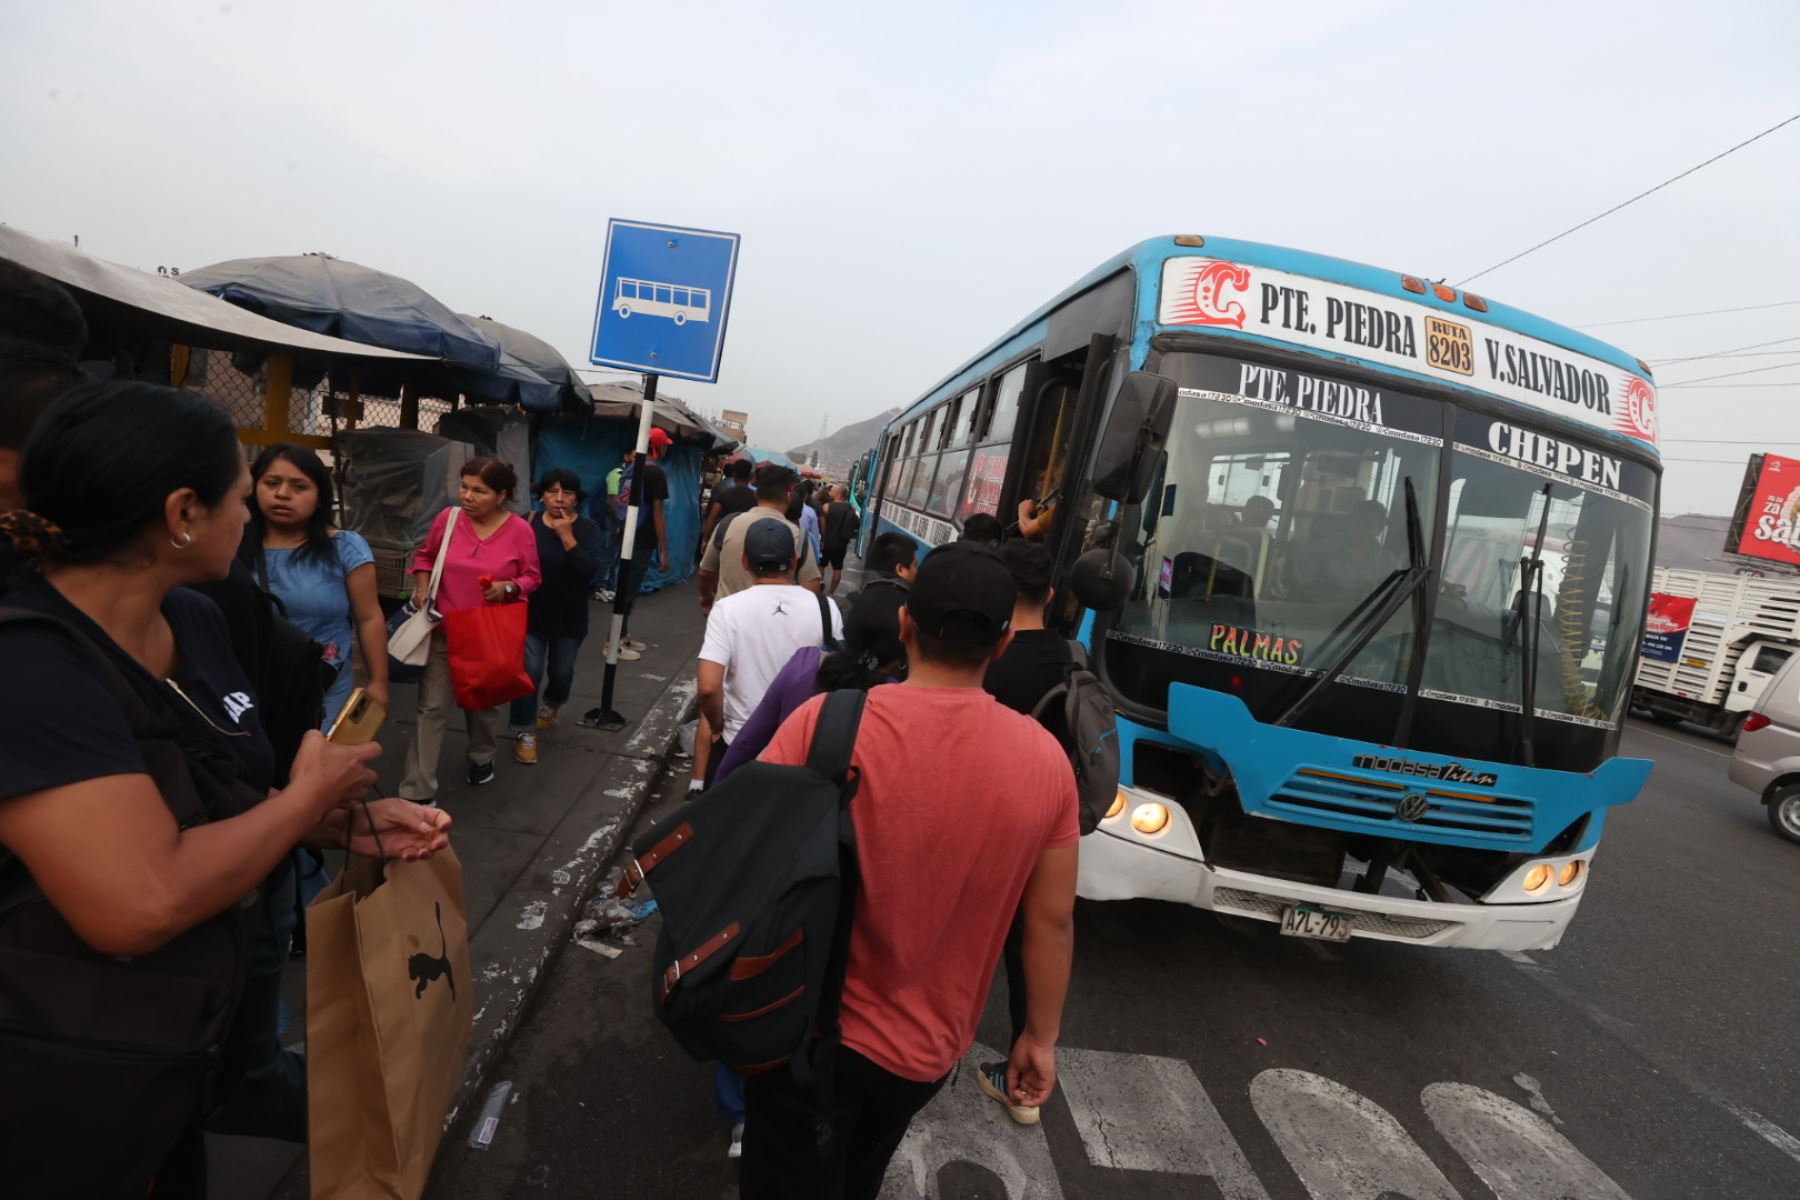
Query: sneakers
[480,773]
[546,717]
[992,1079]
[524,749]
[626,653]
[633,644]
[736,1149]
[603,595]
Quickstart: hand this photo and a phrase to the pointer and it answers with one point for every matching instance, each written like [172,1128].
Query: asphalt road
[1645,1057]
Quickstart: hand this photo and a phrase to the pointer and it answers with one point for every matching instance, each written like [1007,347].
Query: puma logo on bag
[424,968]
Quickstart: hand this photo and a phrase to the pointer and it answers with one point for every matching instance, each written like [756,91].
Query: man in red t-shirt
[965,812]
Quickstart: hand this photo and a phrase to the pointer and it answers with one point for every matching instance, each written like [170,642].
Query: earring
[184,541]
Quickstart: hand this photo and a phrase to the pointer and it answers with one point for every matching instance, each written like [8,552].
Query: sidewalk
[532,844]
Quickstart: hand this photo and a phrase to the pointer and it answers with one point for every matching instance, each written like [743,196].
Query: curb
[512,952]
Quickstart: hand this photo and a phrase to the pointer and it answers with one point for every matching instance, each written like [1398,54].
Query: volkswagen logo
[1412,806]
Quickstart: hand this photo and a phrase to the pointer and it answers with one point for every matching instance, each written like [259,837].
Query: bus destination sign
[1212,293]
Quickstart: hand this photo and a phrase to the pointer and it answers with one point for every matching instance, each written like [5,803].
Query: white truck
[1712,643]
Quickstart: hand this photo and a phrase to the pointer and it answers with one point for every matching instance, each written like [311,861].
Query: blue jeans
[608,579]
[559,655]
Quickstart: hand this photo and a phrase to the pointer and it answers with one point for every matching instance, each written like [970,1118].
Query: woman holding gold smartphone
[138,830]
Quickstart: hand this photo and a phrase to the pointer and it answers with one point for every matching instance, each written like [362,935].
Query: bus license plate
[1303,920]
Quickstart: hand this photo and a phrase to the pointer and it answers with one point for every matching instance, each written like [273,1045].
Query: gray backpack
[1079,711]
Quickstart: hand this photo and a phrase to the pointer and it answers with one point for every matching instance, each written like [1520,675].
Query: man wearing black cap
[965,812]
[750,635]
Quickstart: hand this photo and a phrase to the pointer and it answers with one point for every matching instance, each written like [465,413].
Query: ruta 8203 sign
[1320,315]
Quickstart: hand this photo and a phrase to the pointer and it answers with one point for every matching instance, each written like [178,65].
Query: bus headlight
[1149,818]
[1536,879]
[1118,806]
[1570,873]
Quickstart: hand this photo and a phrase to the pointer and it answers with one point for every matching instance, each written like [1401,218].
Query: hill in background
[838,450]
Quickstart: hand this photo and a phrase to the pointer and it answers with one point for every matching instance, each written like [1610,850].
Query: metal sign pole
[606,716]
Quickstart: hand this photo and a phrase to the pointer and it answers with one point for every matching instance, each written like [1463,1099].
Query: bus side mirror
[1102,579]
[1134,438]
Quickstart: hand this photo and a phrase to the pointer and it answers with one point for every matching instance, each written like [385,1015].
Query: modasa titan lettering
[1442,772]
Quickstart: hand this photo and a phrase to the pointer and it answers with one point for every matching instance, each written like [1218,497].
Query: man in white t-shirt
[751,634]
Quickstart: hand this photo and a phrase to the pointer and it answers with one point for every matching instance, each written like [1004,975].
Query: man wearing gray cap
[751,634]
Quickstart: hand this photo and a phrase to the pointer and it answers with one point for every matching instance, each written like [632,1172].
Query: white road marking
[1515,1152]
[1139,1112]
[1520,957]
[1766,1129]
[963,1125]
[1535,1091]
[1342,1145]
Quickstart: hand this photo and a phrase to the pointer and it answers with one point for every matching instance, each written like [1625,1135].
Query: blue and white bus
[1363,559]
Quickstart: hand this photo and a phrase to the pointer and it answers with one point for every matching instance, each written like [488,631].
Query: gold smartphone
[360,720]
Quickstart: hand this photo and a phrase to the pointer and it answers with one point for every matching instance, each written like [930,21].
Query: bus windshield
[1289,534]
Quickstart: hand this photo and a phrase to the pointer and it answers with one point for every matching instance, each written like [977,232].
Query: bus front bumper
[1117,864]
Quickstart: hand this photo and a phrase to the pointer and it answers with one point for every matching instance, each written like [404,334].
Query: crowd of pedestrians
[167,761]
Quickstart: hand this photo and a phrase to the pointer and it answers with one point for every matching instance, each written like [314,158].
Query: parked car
[1768,751]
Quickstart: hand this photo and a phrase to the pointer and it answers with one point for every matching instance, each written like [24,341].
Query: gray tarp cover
[622,401]
[397,480]
[159,307]
[555,383]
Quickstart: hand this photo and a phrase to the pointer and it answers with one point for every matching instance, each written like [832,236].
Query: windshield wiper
[1371,614]
[1531,591]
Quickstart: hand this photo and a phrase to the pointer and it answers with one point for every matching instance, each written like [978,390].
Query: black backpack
[1079,711]
[109,1060]
[756,882]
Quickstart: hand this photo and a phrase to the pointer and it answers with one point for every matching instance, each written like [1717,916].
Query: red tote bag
[486,647]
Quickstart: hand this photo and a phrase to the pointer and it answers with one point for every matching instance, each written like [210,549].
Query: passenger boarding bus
[860,483]
[1362,558]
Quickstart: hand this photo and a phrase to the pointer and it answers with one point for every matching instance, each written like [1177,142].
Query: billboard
[1766,524]
[1666,626]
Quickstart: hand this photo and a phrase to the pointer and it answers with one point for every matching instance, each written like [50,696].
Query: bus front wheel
[624,311]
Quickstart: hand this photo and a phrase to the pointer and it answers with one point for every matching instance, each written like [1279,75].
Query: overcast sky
[911,182]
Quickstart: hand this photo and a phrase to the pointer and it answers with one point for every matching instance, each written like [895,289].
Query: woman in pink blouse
[493,559]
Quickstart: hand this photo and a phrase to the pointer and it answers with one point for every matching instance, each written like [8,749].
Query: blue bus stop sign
[664,296]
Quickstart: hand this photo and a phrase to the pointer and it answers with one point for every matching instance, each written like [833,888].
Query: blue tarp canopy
[591,446]
[757,454]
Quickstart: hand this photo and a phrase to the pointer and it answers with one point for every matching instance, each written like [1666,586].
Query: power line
[1731,441]
[1615,208]
[1722,462]
[1734,354]
[1669,362]
[1710,386]
[1727,375]
[1710,312]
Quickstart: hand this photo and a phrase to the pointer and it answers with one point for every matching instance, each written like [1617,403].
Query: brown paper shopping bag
[388,1010]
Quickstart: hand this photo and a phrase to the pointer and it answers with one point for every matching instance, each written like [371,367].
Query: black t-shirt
[63,724]
[649,486]
[559,607]
[1031,666]
[840,524]
[733,497]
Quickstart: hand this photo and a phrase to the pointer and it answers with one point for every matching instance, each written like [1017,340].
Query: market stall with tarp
[392,485]
[152,327]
